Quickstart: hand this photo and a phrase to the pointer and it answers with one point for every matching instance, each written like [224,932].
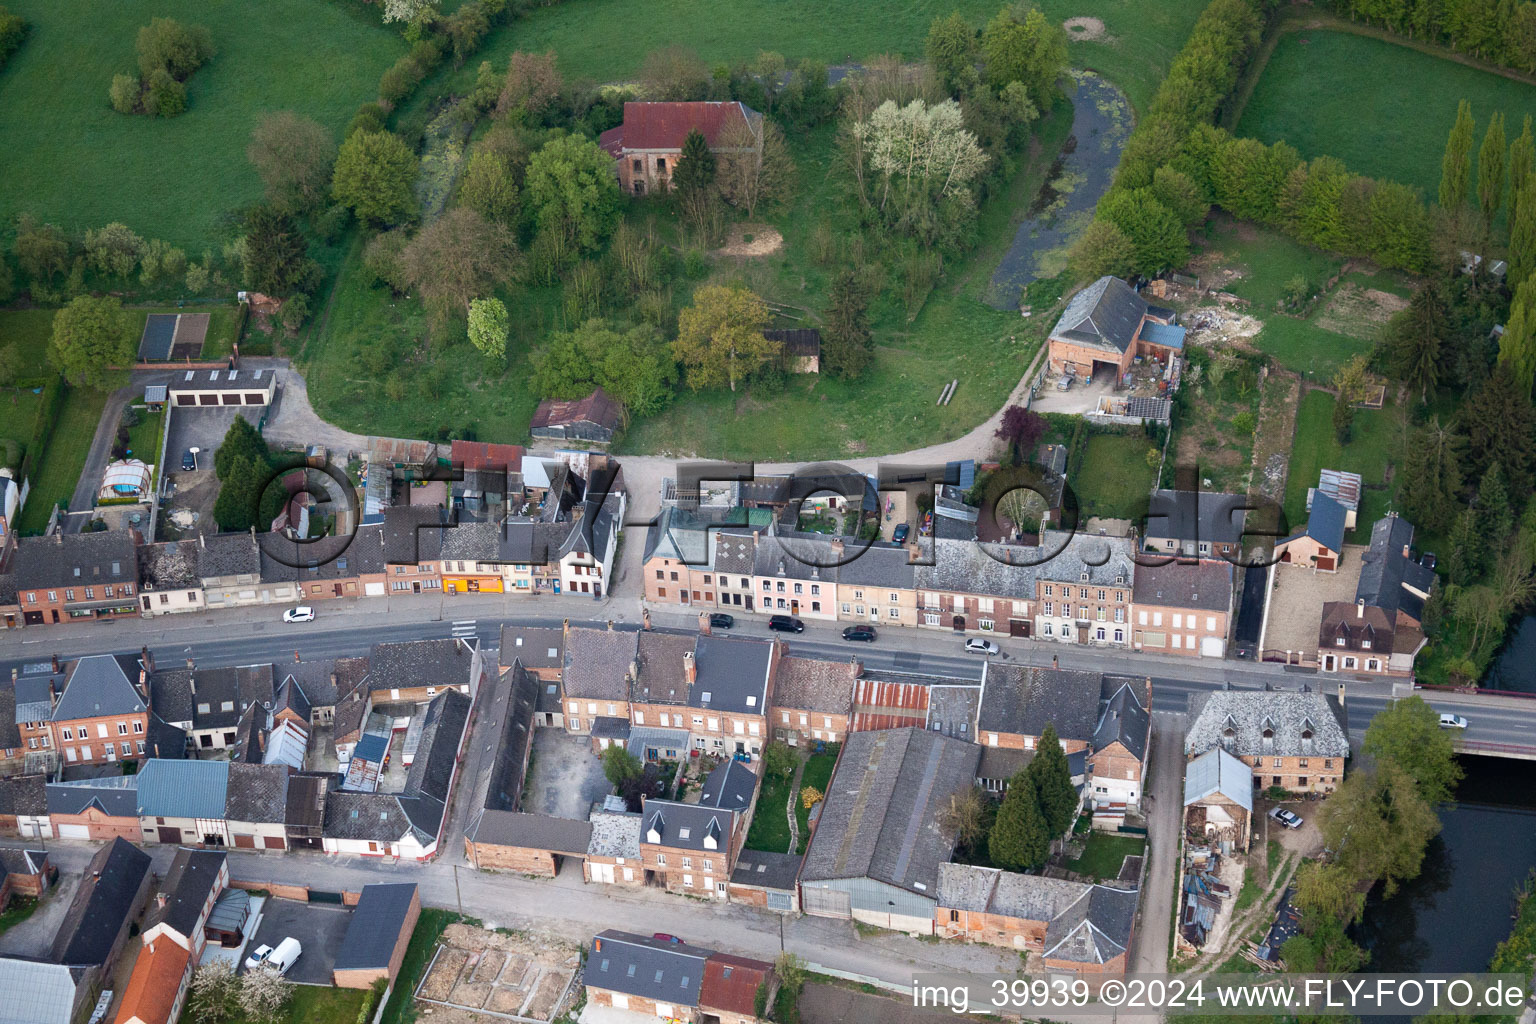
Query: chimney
[704,623]
[296,657]
[690,668]
[56,668]
[1359,607]
[1341,694]
[160,899]
[855,668]
[1055,662]
[149,659]
[837,548]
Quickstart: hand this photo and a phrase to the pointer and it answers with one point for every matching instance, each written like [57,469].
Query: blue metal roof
[183,789]
[967,470]
[1166,335]
[1326,523]
[372,747]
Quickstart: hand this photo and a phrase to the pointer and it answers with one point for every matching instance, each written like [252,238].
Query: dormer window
[1083,577]
[1338,641]
[683,833]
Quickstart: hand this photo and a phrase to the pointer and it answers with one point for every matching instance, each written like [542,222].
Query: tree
[1024,507]
[720,337]
[92,342]
[674,73]
[571,188]
[1053,783]
[1517,346]
[1102,249]
[1408,732]
[1468,550]
[694,178]
[1456,164]
[533,82]
[952,51]
[294,157]
[241,442]
[1522,161]
[633,365]
[408,10]
[619,766]
[488,326]
[238,506]
[967,817]
[1415,336]
[1022,429]
[779,760]
[1495,517]
[458,258]
[1378,825]
[810,796]
[1432,483]
[1498,420]
[1327,891]
[1490,172]
[382,258]
[42,251]
[263,993]
[922,160]
[489,187]
[166,44]
[1157,236]
[114,250]
[125,93]
[1021,45]
[1350,383]
[1020,839]
[846,343]
[376,176]
[755,169]
[275,251]
[213,991]
[1522,232]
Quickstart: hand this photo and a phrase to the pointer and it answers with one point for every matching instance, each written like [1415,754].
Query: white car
[1452,722]
[976,645]
[1285,817]
[258,958]
[303,613]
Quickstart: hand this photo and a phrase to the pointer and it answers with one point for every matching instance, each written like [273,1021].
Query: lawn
[144,439]
[1339,94]
[28,330]
[1103,854]
[770,825]
[1115,481]
[18,414]
[61,464]
[1209,429]
[18,910]
[74,161]
[314,1004]
[429,928]
[1375,446]
[818,773]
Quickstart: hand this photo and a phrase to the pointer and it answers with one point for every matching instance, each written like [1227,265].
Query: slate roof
[1206,585]
[115,796]
[413,534]
[1325,523]
[1021,700]
[597,663]
[22,862]
[1248,712]
[96,685]
[33,698]
[647,968]
[953,708]
[1196,516]
[685,826]
[614,834]
[880,819]
[733,675]
[76,560]
[961,566]
[374,929]
[881,567]
[340,557]
[509,720]
[375,816]
[170,691]
[1124,719]
[1360,624]
[1006,893]
[165,740]
[766,870]
[183,789]
[227,554]
[665,126]
[660,658]
[733,551]
[1217,771]
[327,680]
[813,684]
[1002,762]
[430,776]
[192,876]
[1096,929]
[534,646]
[257,793]
[414,663]
[731,785]
[24,795]
[103,905]
[228,692]
[534,831]
[731,983]
[803,557]
[681,536]
[304,807]
[1106,314]
[1389,578]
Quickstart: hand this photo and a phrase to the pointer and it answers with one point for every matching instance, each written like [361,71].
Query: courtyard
[1297,599]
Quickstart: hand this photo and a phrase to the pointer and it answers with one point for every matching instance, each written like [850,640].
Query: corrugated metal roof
[36,993]
[183,789]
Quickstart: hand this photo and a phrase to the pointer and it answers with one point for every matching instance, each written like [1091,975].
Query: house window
[68,734]
[122,728]
[69,595]
[661,860]
[660,575]
[687,862]
[1277,762]
[138,726]
[1049,591]
[845,607]
[815,589]
[895,613]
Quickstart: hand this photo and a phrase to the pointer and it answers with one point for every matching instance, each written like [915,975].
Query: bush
[167,97]
[695,263]
[125,93]
[13,32]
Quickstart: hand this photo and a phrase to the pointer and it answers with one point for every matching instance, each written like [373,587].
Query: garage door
[74,832]
[244,842]
[826,902]
[1212,647]
[373,589]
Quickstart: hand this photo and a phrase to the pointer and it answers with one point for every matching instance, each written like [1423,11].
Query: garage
[820,902]
[1212,647]
[74,832]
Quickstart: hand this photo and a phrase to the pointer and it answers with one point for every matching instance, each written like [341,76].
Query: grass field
[60,466]
[28,330]
[1103,855]
[418,953]
[18,414]
[1339,94]
[770,823]
[1115,480]
[73,160]
[1375,447]
[818,773]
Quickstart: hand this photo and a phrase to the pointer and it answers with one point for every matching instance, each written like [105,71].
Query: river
[1512,669]
[1453,915]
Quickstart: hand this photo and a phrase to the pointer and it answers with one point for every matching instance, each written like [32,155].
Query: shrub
[167,97]
[370,117]
[125,93]
[695,263]
[13,32]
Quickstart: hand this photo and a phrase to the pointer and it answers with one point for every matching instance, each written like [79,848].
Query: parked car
[786,624]
[899,535]
[1429,561]
[258,958]
[976,645]
[1285,817]
[283,957]
[1452,722]
[720,620]
[303,613]
[863,634]
[1064,384]
[188,461]
[664,937]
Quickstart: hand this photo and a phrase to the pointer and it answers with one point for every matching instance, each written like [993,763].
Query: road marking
[465,622]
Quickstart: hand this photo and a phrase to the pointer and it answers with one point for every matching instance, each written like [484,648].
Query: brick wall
[1321,774]
[993,929]
[521,859]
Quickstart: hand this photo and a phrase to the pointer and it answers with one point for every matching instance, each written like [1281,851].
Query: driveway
[84,498]
[566,777]
[33,936]
[292,420]
[319,928]
[1166,791]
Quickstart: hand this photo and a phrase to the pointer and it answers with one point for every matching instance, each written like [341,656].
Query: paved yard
[566,778]
[319,928]
[1296,603]
[1164,790]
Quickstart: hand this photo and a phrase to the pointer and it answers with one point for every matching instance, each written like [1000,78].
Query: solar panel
[159,330]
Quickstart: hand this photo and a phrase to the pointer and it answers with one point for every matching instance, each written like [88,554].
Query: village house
[613,847]
[795,576]
[1320,544]
[645,975]
[24,873]
[1183,608]
[182,802]
[100,715]
[1296,740]
[1343,487]
[595,679]
[27,732]
[1218,798]
[1106,326]
[648,144]
[878,586]
[185,898]
[1195,525]
[102,809]
[1381,631]
[77,576]
[157,987]
[767,880]
[24,807]
[692,848]
[813,699]
[168,579]
[256,806]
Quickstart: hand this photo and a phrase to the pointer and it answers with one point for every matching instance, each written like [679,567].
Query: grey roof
[166,741]
[880,819]
[1006,893]
[1021,700]
[76,560]
[732,785]
[183,789]
[509,718]
[37,992]
[227,554]
[1096,929]
[733,551]
[375,816]
[192,876]
[686,826]
[813,684]
[534,646]
[22,862]
[227,692]
[413,533]
[597,662]
[1002,762]
[953,709]
[660,660]
[229,911]
[733,675]
[305,805]
[1106,315]
[1389,578]
[1197,516]
[648,968]
[887,566]
[115,796]
[766,869]
[34,698]
[1217,771]
[430,776]
[1325,523]
[257,793]
[170,691]
[97,686]
[961,566]
[376,924]
[1247,714]
[10,733]
[327,680]
[1206,585]
[680,536]
[24,794]
[611,728]
[533,831]
[1124,719]
[413,663]
[614,834]
[339,557]
[104,904]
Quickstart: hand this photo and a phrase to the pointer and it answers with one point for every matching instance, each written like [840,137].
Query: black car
[899,535]
[865,634]
[188,462]
[720,620]
[786,624]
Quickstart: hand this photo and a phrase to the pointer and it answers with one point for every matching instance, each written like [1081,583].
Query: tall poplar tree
[1490,172]
[1456,165]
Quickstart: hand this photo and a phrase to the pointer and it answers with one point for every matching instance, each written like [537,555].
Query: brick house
[613,851]
[730,990]
[1381,632]
[786,585]
[766,880]
[878,587]
[813,698]
[691,848]
[595,678]
[100,716]
[24,806]
[1106,326]
[646,975]
[185,897]
[1320,544]
[1083,589]
[648,144]
[713,690]
[157,988]
[32,699]
[1298,741]
[530,844]
[99,809]
[1183,608]
[24,873]
[78,576]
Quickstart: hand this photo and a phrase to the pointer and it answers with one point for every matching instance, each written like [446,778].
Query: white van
[283,957]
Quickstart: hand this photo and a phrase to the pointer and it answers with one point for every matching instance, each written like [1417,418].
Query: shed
[1218,796]
[377,935]
[799,348]
[594,419]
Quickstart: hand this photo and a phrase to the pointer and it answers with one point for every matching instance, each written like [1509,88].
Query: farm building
[648,144]
[594,419]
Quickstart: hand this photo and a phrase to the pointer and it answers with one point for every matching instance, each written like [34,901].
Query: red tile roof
[730,983]
[482,455]
[597,408]
[155,984]
[664,126]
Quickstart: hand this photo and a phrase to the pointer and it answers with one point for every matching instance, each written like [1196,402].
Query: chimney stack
[855,668]
[160,899]
[1341,694]
[149,660]
[56,669]
[837,548]
[704,623]
[1359,607]
[690,668]
[296,657]
[1055,662]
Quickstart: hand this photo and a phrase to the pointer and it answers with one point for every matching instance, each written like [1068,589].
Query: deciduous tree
[1522,161]
[92,342]
[1102,249]
[407,10]
[533,82]
[720,337]
[952,51]
[619,765]
[779,760]
[376,176]
[166,43]
[1021,45]
[1349,384]
[458,258]
[634,365]
[488,325]
[846,343]
[294,156]
[1378,824]
[571,188]
[42,250]
[1156,234]
[1408,732]
[1456,164]
[749,174]
[1490,172]
[1021,428]
[674,73]
[1522,233]
[489,187]
[212,995]
[113,250]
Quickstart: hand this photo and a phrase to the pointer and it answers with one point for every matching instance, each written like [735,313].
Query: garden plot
[1359,312]
[475,972]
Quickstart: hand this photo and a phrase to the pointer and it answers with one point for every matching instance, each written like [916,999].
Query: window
[53,595]
[767,586]
[1277,762]
[68,734]
[1178,621]
[1301,763]
[893,597]
[1101,595]
[781,586]
[1365,644]
[985,624]
[138,726]
[1049,591]
[706,579]
[660,575]
[1048,610]
[930,619]
[815,589]
[124,748]
[122,728]
[1338,641]
[895,613]
[687,862]
[639,717]
[674,577]
[845,607]
[661,860]
[687,881]
[799,589]
[69,595]
[1119,636]
[1210,623]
